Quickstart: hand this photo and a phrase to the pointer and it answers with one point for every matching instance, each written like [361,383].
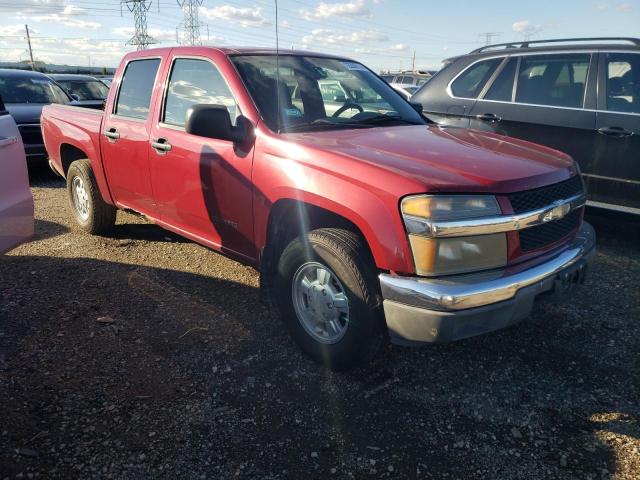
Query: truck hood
[448,159]
[25,112]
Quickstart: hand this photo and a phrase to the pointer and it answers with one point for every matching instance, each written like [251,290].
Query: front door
[615,176]
[546,106]
[202,186]
[125,143]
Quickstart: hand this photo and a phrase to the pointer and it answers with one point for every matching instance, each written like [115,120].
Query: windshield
[31,90]
[319,93]
[86,89]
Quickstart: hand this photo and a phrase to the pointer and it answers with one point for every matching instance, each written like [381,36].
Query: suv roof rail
[528,43]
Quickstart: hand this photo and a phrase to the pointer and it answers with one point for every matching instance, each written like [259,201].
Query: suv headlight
[449,255]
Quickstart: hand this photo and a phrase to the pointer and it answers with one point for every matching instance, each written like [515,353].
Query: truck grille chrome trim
[498,224]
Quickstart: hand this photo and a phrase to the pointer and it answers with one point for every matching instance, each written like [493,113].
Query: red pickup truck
[366,220]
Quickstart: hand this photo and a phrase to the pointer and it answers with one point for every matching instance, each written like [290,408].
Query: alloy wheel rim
[80,198]
[320,302]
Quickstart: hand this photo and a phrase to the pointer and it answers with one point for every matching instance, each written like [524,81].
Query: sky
[383,34]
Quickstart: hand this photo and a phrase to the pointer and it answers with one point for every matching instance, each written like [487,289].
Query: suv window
[192,82]
[134,97]
[502,87]
[555,80]
[623,82]
[469,84]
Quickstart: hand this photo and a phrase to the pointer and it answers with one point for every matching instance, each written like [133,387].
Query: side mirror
[340,99]
[214,121]
[417,107]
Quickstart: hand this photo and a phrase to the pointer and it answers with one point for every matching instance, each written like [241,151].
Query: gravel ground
[142,355]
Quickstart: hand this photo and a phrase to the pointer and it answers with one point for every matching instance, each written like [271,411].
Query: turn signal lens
[446,256]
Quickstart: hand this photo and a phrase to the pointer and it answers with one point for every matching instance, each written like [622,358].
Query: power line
[139,8]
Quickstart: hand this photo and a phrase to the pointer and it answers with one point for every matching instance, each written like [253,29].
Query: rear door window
[502,87]
[554,80]
[470,82]
[134,97]
[623,82]
[194,82]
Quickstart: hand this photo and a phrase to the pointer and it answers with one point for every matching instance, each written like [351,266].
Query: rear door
[16,203]
[126,128]
[614,178]
[202,186]
[449,100]
[547,99]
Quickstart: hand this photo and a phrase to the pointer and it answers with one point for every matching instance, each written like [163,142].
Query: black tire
[346,255]
[100,216]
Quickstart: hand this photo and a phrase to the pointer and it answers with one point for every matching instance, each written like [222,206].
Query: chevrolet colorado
[367,222]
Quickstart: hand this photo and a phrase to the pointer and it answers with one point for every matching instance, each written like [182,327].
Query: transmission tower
[191,24]
[139,8]
[489,36]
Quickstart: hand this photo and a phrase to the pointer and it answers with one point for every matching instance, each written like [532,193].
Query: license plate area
[568,278]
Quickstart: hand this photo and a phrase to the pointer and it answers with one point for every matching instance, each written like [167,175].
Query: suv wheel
[327,293]
[91,212]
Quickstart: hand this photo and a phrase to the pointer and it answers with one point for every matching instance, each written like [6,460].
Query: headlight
[445,256]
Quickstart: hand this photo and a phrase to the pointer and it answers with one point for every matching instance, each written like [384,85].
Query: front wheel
[327,293]
[91,212]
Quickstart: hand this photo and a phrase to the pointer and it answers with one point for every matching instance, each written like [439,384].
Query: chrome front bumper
[421,310]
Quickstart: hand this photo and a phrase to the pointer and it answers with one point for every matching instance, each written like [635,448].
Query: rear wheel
[91,212]
[327,293]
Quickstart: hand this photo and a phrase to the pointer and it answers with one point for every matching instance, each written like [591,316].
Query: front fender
[375,212]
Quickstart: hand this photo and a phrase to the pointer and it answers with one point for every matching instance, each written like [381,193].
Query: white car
[16,201]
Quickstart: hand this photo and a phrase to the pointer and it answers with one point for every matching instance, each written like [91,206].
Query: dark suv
[581,96]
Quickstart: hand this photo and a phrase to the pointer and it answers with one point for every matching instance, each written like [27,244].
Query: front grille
[31,134]
[545,196]
[548,233]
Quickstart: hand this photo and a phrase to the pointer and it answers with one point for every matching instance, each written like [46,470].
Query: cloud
[13,30]
[355,8]
[399,47]
[526,28]
[323,36]
[66,21]
[624,7]
[156,33]
[245,17]
[600,7]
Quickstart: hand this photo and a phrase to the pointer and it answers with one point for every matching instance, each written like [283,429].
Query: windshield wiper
[382,118]
[325,125]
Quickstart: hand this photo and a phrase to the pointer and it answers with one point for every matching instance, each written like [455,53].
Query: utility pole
[413,62]
[191,24]
[33,65]
[489,36]
[139,8]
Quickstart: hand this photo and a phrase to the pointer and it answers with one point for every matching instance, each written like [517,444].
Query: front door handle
[489,117]
[112,134]
[5,142]
[617,132]
[161,146]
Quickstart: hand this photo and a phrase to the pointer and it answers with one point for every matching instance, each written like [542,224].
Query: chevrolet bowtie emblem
[557,212]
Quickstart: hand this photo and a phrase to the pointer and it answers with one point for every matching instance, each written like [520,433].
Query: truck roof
[239,51]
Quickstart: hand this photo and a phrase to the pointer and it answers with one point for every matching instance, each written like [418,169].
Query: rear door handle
[5,142]
[488,117]
[112,134]
[618,132]
[161,146]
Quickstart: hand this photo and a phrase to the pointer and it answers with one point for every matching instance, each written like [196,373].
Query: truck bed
[71,133]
